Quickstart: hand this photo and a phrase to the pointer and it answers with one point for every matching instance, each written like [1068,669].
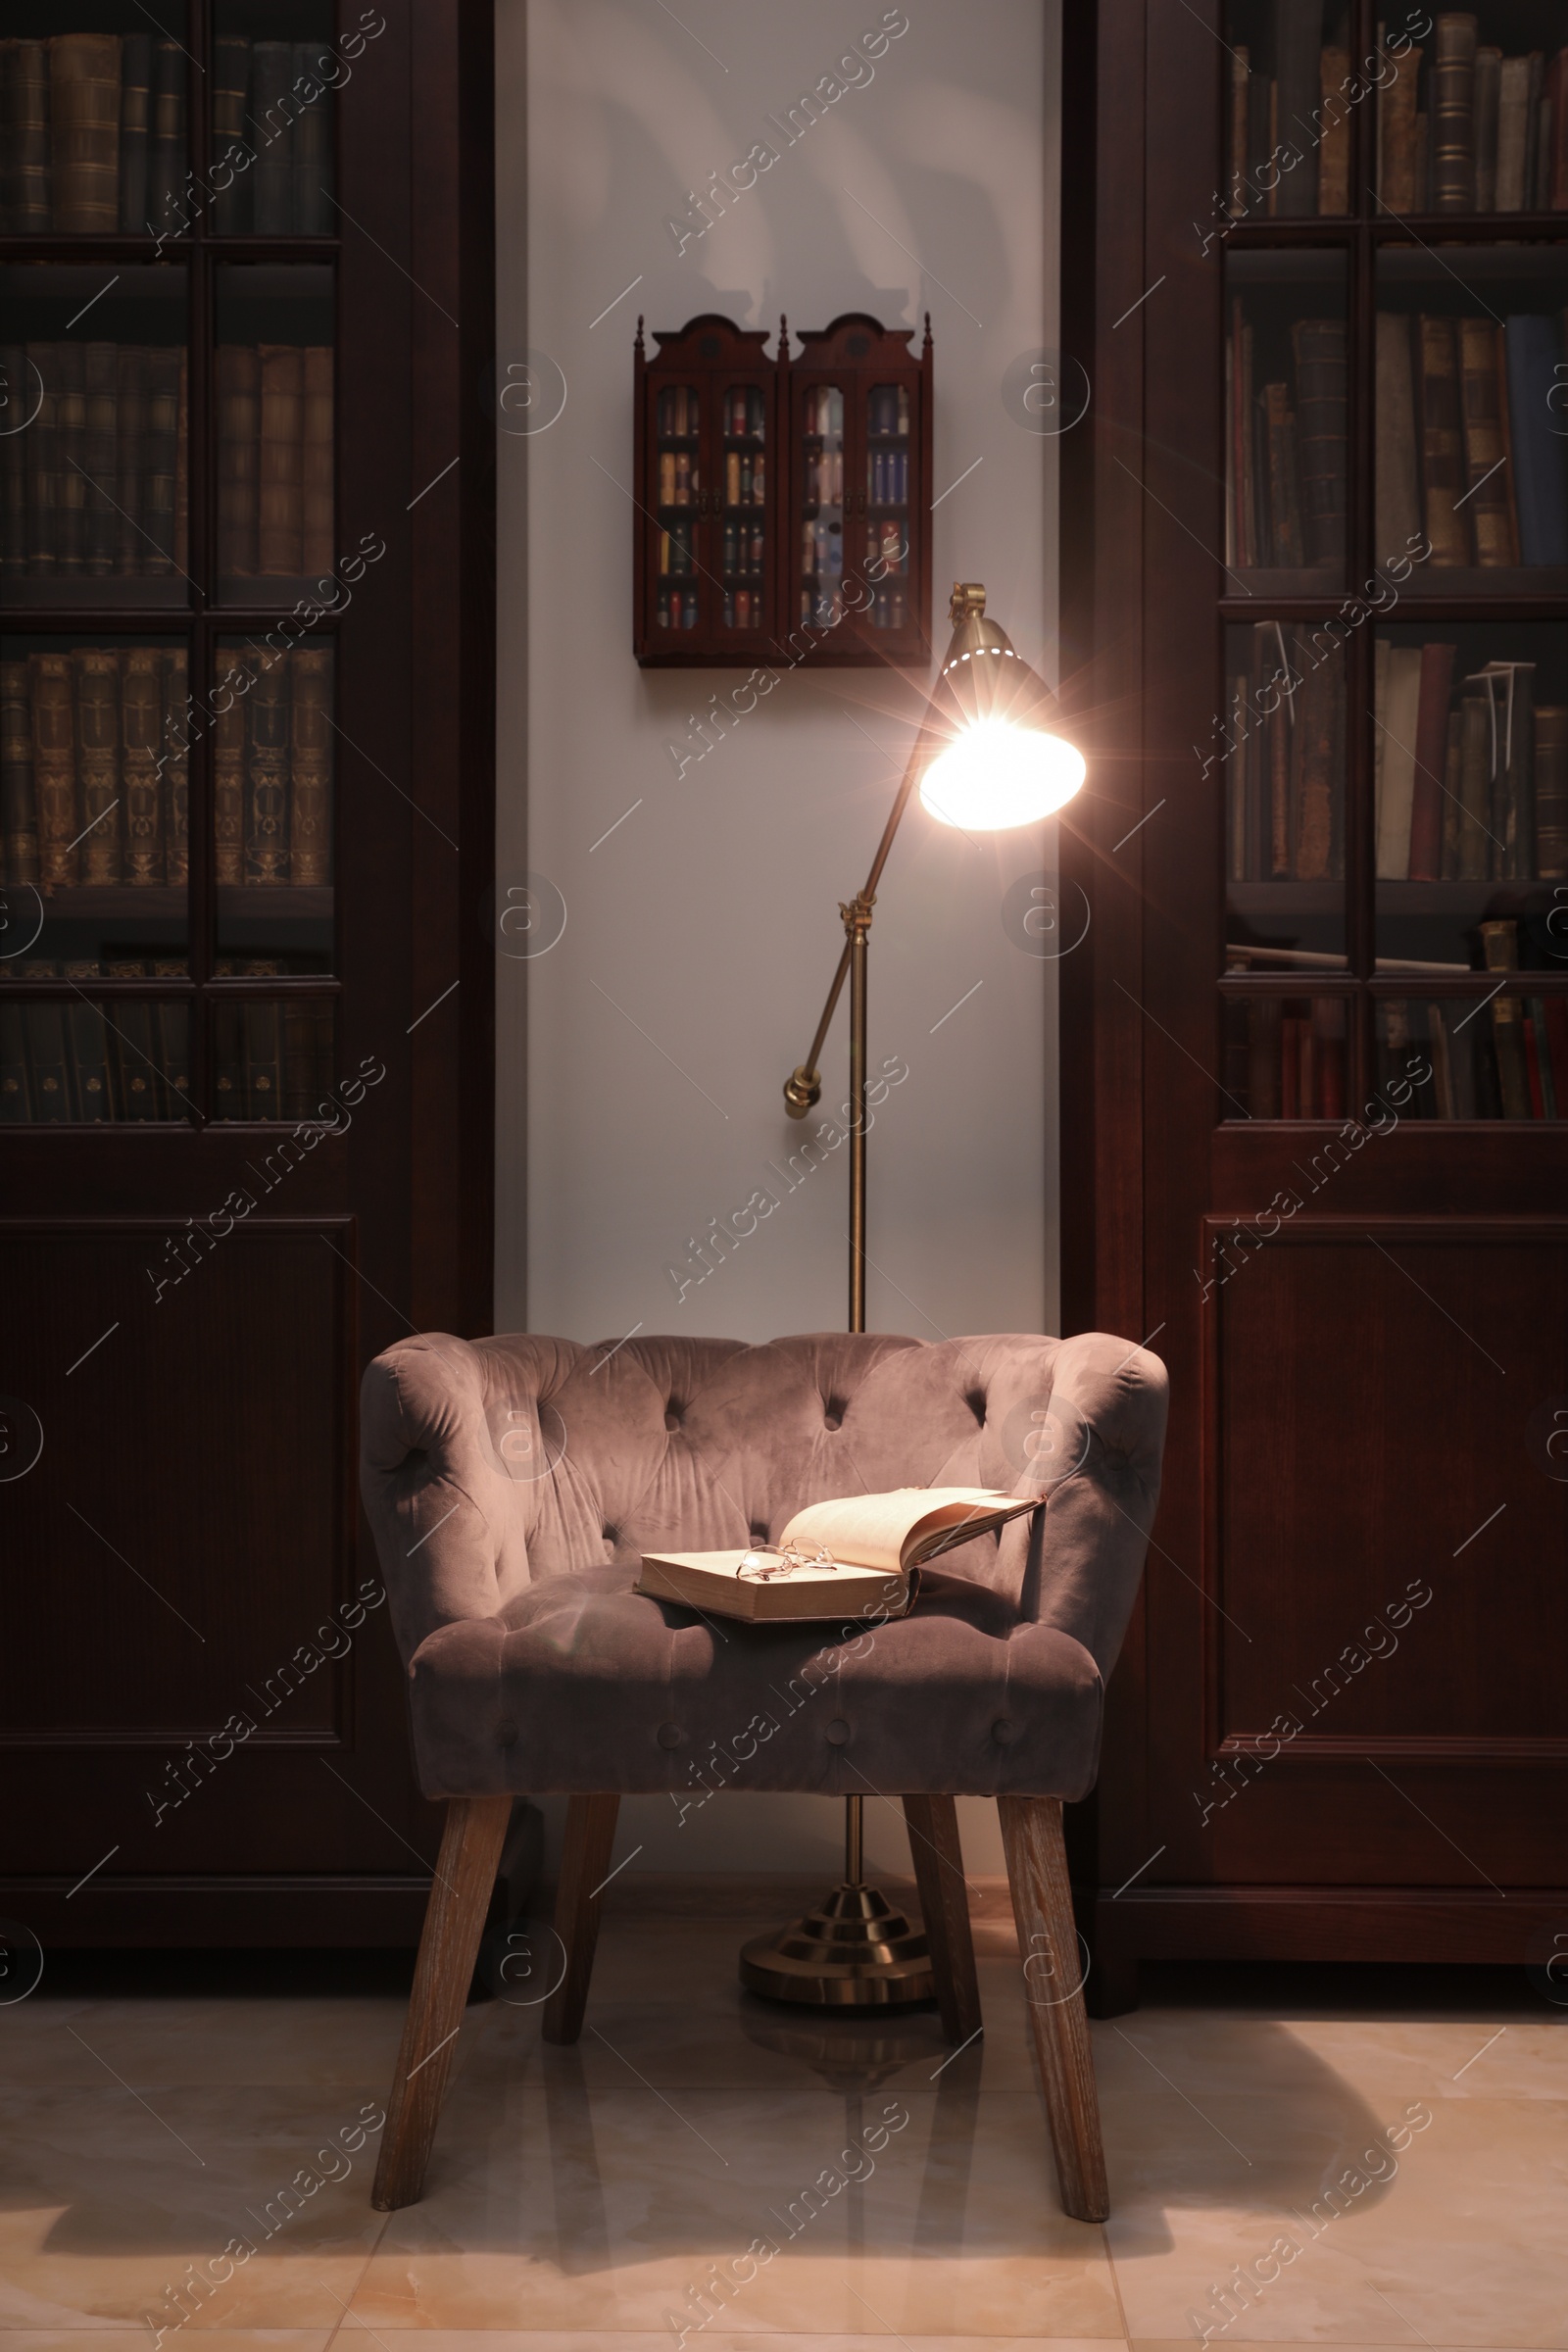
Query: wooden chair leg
[932,1825]
[453,1920]
[1047,1945]
[584,1867]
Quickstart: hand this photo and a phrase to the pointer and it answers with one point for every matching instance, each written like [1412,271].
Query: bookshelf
[783,504]
[246,646]
[1316,1133]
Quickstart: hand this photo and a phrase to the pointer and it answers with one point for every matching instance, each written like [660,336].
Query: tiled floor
[594,2197]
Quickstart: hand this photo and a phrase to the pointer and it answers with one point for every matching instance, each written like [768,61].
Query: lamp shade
[1001,758]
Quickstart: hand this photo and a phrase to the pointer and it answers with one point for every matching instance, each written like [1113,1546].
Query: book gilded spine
[1513,133]
[84,131]
[54,769]
[315,461]
[1487,96]
[175,802]
[266,774]
[229,729]
[1490,489]
[97,685]
[18,811]
[309,840]
[165,153]
[141,734]
[26,139]
[1454,153]
[282,498]
[100,397]
[136,128]
[1442,441]
[238,458]
[1320,393]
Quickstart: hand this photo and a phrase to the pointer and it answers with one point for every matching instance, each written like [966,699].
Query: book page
[883,1530]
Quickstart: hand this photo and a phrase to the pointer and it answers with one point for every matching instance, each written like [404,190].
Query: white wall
[700,934]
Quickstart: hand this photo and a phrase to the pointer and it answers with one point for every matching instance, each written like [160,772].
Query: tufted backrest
[488,1465]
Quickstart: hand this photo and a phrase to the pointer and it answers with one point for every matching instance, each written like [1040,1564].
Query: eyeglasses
[768,1560]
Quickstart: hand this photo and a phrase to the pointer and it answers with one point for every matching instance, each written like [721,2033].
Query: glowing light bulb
[997,774]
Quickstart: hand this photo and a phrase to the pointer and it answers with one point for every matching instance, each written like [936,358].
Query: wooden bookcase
[1315,1140]
[246,615]
[783,504]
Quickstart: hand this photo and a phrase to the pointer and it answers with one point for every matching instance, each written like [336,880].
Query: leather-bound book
[267,771]
[160,456]
[166,151]
[1283,483]
[1551,791]
[1396,142]
[1487,100]
[310,839]
[1321,386]
[282,498]
[1442,441]
[272,110]
[54,769]
[131,417]
[1513,132]
[231,79]
[1454,79]
[1396,798]
[18,809]
[84,132]
[71,441]
[1539,455]
[176,803]
[1488,475]
[1317,756]
[18,390]
[230,727]
[43,463]
[141,737]
[96,675]
[1431,763]
[101,386]
[136,128]
[238,458]
[1397,480]
[313,146]
[26,138]
[315,463]
[1334,155]
[1298,73]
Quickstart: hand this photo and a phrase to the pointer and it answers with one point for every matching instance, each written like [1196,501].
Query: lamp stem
[857,924]
[854,1807]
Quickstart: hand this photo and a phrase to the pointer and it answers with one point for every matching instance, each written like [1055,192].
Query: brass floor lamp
[989,755]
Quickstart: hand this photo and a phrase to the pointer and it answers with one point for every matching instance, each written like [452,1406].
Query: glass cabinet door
[888,481]
[820,521]
[740,499]
[679,587]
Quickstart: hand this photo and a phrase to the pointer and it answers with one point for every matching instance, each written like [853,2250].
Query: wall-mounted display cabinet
[783,504]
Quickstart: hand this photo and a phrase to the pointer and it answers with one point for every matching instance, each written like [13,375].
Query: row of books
[92,137]
[96,485]
[69,1060]
[92,133]
[1506,1059]
[275,459]
[1470,444]
[1286,477]
[94,768]
[1471,773]
[1461,127]
[1284,801]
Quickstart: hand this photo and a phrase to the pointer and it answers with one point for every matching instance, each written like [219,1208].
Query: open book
[875,1542]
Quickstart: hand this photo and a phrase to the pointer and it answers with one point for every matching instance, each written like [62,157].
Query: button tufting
[1003,1733]
[673,1419]
[505,1732]
[611,1534]
[758,1530]
[837,1733]
[670,1735]
[833,1415]
[974,1399]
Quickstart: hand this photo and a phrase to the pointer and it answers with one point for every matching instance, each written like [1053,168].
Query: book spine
[97,687]
[1513,126]
[1452,806]
[16,1085]
[231,76]
[18,809]
[43,442]
[1334,155]
[313,146]
[1539,455]
[134,1060]
[1442,447]
[263,1060]
[84,131]
[71,482]
[49,1059]
[315,461]
[98,459]
[166,154]
[1397,142]
[1474,833]
[1488,494]
[26,129]
[141,734]
[16,405]
[229,730]
[1454,155]
[1398,502]
[1317,765]
[54,769]
[1298,72]
[1488,105]
[1509,1041]
[309,840]
[1431,763]
[239,459]
[176,764]
[130,548]
[267,776]
[159,457]
[1551,791]
[273,113]
[281,497]
[136,128]
[1321,386]
[87,1042]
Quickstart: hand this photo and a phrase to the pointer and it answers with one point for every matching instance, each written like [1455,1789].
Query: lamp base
[854,1951]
